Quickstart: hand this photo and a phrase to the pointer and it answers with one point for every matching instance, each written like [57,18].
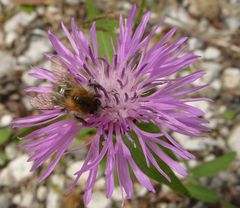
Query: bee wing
[59,68]
[47,102]
[63,76]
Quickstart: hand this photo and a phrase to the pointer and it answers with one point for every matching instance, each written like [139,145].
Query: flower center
[119,97]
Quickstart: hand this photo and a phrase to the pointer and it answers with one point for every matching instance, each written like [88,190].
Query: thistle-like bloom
[137,86]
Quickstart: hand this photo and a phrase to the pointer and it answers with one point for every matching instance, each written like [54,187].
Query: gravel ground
[214,31]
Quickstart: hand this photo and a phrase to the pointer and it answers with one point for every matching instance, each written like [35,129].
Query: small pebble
[27,199]
[4,201]
[99,200]
[53,199]
[58,180]
[233,140]
[41,193]
[73,168]
[212,53]
[5,120]
[231,78]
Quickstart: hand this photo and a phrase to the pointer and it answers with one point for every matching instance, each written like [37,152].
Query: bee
[70,96]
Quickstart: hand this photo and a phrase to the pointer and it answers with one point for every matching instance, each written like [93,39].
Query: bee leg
[80,119]
[96,86]
[97,96]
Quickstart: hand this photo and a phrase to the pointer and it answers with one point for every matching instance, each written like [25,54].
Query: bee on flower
[114,97]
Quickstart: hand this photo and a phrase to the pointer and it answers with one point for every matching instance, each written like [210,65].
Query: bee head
[87,104]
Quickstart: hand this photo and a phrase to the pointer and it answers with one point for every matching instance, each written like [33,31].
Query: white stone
[126,5]
[10,38]
[58,180]
[6,2]
[16,172]
[192,163]
[4,201]
[53,199]
[213,123]
[193,9]
[99,200]
[231,78]
[7,63]
[165,190]
[73,168]
[212,70]
[172,21]
[38,46]
[73,2]
[140,190]
[209,157]
[29,80]
[17,199]
[6,120]
[212,53]
[221,109]
[20,168]
[27,199]
[52,10]
[19,19]
[117,195]
[193,144]
[39,32]
[199,53]
[233,140]
[202,105]
[180,16]
[224,131]
[184,17]
[41,193]
[194,43]
[216,85]
[6,178]
[40,10]
[162,205]
[100,184]
[27,104]
[11,151]
[233,23]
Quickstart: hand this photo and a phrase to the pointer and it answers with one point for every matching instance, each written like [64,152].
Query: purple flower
[137,86]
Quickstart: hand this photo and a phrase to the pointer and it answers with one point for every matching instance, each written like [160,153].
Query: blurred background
[213,28]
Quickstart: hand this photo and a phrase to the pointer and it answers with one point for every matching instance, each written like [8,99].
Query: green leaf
[27,131]
[104,44]
[212,168]
[27,8]
[92,11]
[4,135]
[107,25]
[105,30]
[226,204]
[3,158]
[229,115]
[149,127]
[202,193]
[153,128]
[85,132]
[152,172]
[140,13]
[104,37]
